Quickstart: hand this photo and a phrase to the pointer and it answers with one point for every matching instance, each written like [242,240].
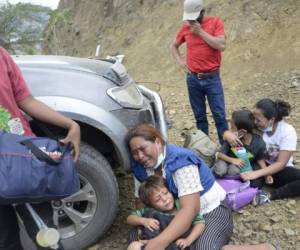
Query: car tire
[95,169]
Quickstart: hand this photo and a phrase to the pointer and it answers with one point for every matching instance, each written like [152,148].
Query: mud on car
[102,97]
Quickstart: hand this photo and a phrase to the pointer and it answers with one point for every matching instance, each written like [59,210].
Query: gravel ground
[277,222]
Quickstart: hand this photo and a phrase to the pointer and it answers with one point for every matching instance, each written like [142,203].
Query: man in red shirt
[15,98]
[205,39]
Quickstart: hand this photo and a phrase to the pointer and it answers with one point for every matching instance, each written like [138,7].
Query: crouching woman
[189,179]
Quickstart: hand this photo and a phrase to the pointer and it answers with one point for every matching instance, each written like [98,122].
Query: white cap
[192,9]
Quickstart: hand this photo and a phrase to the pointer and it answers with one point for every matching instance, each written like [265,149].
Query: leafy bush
[22,25]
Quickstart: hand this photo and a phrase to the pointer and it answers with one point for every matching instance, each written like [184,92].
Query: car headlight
[128,96]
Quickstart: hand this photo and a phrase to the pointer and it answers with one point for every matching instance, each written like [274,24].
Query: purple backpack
[238,193]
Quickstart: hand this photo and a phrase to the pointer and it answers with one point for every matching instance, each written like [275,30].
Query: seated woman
[281,141]
[189,179]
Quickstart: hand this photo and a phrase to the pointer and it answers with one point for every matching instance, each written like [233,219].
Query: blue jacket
[176,158]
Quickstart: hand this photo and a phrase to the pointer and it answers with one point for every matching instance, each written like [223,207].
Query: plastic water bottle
[48,237]
[242,154]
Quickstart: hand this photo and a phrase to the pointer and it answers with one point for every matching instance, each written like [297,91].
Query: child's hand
[136,245]
[183,243]
[269,179]
[238,162]
[151,224]
[144,242]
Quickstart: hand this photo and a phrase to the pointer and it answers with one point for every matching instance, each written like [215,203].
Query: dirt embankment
[262,59]
[263,43]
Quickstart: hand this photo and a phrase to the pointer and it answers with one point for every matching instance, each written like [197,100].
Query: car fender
[94,116]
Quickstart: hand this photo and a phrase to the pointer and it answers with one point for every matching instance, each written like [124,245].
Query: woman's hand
[137,244]
[73,137]
[248,176]
[232,138]
[151,224]
[237,162]
[182,243]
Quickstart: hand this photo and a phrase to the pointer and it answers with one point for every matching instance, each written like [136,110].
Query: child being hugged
[235,160]
[160,209]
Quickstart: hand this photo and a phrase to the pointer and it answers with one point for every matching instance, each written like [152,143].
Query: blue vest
[176,158]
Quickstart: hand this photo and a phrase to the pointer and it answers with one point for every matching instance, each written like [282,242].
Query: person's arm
[215,42]
[235,161]
[189,208]
[150,223]
[177,56]
[42,112]
[262,164]
[195,233]
[135,220]
[280,163]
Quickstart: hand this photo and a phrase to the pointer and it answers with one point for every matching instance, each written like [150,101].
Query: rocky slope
[263,41]
[262,59]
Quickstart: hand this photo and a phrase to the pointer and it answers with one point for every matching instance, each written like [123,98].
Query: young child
[158,213]
[235,160]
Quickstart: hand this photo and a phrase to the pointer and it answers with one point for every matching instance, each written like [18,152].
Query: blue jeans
[210,87]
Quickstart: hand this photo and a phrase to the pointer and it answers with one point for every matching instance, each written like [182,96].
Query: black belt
[206,74]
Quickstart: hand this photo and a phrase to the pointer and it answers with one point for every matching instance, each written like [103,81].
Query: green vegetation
[60,16]
[21,27]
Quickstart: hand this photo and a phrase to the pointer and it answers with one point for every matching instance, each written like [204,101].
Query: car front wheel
[85,216]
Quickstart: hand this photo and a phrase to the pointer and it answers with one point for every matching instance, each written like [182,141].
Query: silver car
[106,102]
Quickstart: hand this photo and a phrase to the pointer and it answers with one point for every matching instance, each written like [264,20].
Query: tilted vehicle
[106,102]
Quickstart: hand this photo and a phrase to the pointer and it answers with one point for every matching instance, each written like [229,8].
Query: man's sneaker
[261,197]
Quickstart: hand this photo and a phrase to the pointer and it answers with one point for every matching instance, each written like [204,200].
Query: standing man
[205,39]
[15,98]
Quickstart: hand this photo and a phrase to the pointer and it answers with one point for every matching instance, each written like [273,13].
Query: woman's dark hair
[271,109]
[151,184]
[146,131]
[243,119]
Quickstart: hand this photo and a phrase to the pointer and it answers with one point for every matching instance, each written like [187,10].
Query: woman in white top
[281,141]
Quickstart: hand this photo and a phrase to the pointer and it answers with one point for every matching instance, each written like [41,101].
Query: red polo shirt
[200,57]
[13,90]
